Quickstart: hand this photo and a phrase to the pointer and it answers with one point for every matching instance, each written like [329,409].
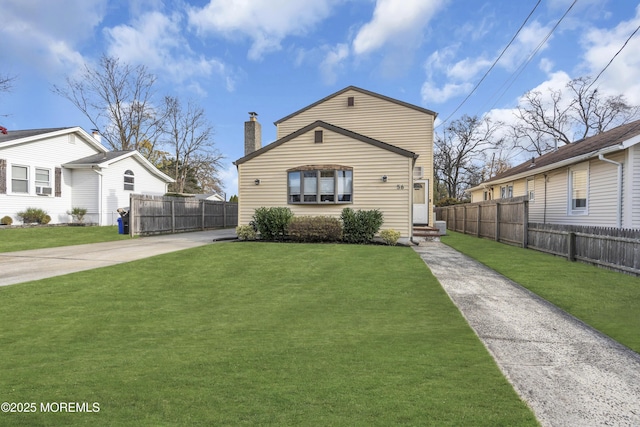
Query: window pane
[42,176]
[294,187]
[19,172]
[579,190]
[310,186]
[327,186]
[18,186]
[345,179]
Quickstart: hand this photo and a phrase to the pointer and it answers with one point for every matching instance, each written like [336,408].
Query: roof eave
[547,168]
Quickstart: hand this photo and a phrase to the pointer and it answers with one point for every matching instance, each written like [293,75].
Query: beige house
[354,148]
[594,182]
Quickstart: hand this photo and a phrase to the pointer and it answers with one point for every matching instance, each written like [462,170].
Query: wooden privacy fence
[507,221]
[162,215]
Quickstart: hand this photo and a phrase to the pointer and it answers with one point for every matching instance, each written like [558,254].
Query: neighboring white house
[62,168]
[593,182]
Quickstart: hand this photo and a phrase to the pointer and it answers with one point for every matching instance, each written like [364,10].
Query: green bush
[447,201]
[246,232]
[6,220]
[272,223]
[77,214]
[37,215]
[360,226]
[314,229]
[390,237]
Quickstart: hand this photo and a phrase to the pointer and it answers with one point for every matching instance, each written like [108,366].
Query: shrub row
[40,216]
[353,227]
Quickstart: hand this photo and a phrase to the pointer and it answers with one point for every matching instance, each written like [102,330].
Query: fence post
[202,202]
[571,246]
[464,219]
[224,214]
[173,216]
[478,222]
[525,224]
[497,238]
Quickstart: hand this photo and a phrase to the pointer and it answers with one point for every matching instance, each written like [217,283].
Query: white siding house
[59,169]
[591,182]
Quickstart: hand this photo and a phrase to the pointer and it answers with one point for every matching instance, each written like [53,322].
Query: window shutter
[3,176]
[58,182]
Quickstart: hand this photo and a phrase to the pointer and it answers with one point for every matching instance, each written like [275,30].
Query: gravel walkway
[568,373]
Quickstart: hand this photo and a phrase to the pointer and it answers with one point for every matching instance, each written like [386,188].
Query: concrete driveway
[24,266]
[568,373]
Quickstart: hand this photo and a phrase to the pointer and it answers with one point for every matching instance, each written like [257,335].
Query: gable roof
[104,160]
[614,139]
[366,92]
[333,128]
[15,137]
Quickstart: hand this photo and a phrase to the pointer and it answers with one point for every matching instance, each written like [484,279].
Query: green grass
[251,334]
[19,239]
[606,300]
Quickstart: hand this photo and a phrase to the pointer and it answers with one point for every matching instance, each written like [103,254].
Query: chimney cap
[253,114]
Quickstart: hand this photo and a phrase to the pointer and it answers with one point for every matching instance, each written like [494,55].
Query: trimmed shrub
[246,232]
[314,229]
[6,220]
[272,223]
[360,226]
[77,214]
[390,237]
[31,215]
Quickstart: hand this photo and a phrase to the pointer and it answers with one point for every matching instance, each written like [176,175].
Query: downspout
[99,196]
[619,207]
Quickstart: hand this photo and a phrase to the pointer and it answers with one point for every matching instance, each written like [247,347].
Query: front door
[421,202]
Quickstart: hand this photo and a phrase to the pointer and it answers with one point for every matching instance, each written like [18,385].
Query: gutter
[99,195]
[619,204]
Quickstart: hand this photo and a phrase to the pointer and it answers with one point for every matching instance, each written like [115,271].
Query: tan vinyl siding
[369,163]
[376,118]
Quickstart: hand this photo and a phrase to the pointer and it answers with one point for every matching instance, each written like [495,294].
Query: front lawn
[251,334]
[20,239]
[606,300]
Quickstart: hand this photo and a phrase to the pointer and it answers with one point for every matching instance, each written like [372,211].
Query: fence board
[161,215]
[507,222]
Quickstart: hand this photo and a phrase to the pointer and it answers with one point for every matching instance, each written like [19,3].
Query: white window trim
[28,180]
[531,189]
[570,210]
[130,175]
[45,190]
[318,194]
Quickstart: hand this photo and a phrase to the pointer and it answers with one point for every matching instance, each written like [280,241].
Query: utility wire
[522,66]
[614,57]
[492,65]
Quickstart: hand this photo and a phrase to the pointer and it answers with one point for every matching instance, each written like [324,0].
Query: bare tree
[461,150]
[190,142]
[6,84]
[117,98]
[546,120]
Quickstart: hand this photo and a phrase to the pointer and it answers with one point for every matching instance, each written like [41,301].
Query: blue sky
[277,56]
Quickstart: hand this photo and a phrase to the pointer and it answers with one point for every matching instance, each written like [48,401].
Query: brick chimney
[252,134]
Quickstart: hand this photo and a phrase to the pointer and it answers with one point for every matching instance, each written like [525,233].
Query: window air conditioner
[43,191]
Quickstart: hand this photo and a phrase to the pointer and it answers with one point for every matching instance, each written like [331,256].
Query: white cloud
[394,20]
[156,40]
[333,62]
[431,94]
[468,68]
[623,75]
[47,36]
[229,178]
[525,44]
[265,22]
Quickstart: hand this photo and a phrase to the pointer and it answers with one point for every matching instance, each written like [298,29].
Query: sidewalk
[568,373]
[24,266]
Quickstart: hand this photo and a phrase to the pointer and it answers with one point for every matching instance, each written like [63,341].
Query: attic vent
[318,137]
[351,101]
[418,172]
